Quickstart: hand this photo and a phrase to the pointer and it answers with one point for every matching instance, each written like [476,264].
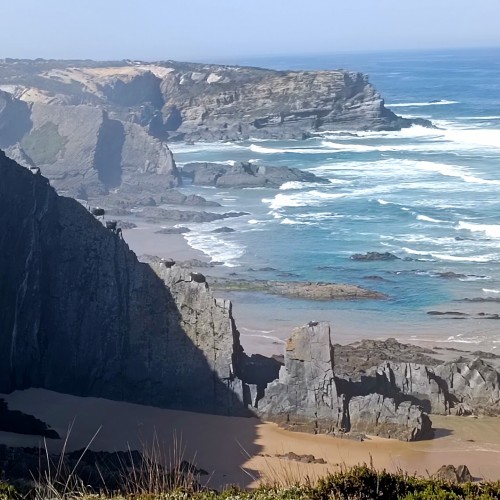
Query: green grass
[357,483]
[43,144]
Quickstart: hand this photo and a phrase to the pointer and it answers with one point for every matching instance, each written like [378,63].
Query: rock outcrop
[463,384]
[298,289]
[452,474]
[310,395]
[243,175]
[80,314]
[94,127]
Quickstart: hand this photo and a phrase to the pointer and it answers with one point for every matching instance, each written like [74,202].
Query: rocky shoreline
[153,333]
[297,289]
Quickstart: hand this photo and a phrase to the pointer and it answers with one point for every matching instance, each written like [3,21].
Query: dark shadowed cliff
[80,314]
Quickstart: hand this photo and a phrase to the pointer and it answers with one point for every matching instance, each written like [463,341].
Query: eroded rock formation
[311,396]
[242,175]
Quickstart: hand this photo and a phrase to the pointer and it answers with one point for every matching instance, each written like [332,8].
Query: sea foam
[490,230]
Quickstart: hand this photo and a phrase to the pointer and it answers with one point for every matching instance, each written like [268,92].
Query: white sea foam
[463,258]
[203,146]
[450,136]
[490,290]
[265,150]
[452,258]
[294,222]
[420,104]
[490,230]
[453,171]
[415,252]
[493,117]
[428,219]
[294,185]
[302,199]
[216,248]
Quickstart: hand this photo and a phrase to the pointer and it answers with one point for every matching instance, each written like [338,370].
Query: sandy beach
[145,240]
[243,450]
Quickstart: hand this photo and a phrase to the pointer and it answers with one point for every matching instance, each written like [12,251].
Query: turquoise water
[429,196]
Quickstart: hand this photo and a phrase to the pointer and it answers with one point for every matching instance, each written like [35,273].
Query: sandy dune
[242,450]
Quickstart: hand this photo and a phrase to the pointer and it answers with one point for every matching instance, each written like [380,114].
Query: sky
[218,30]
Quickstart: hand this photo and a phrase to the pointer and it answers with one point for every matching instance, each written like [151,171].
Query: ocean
[428,196]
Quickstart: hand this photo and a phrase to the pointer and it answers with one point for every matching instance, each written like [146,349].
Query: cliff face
[230,103]
[376,387]
[80,314]
[310,395]
[97,126]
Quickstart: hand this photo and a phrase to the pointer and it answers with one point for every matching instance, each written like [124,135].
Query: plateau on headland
[97,127]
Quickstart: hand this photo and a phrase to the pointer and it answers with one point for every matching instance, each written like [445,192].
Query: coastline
[145,240]
[247,447]
[265,321]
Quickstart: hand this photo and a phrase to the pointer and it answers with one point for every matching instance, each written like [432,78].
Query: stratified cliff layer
[376,387]
[80,314]
[94,127]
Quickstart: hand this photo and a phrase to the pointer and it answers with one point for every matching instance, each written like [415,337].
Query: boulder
[452,474]
[242,175]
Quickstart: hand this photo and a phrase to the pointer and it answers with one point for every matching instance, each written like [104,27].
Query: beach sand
[243,450]
[144,240]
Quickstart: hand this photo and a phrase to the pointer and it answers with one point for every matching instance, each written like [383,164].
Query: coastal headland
[109,311]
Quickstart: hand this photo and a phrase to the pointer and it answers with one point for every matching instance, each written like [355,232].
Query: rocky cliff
[94,127]
[80,314]
[376,387]
[311,395]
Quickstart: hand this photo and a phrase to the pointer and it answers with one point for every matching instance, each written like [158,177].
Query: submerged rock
[298,289]
[370,256]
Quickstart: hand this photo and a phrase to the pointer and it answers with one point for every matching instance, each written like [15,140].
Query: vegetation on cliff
[357,483]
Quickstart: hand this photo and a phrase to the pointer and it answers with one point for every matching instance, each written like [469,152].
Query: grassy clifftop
[360,482]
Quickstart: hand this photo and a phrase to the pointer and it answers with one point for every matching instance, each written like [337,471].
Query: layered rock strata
[376,387]
[95,127]
[80,314]
[309,395]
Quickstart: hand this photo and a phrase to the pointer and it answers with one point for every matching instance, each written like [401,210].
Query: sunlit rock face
[94,127]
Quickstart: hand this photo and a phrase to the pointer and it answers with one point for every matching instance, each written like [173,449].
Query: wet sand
[144,240]
[243,450]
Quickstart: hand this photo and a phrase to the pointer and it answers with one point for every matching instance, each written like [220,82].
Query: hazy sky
[219,29]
